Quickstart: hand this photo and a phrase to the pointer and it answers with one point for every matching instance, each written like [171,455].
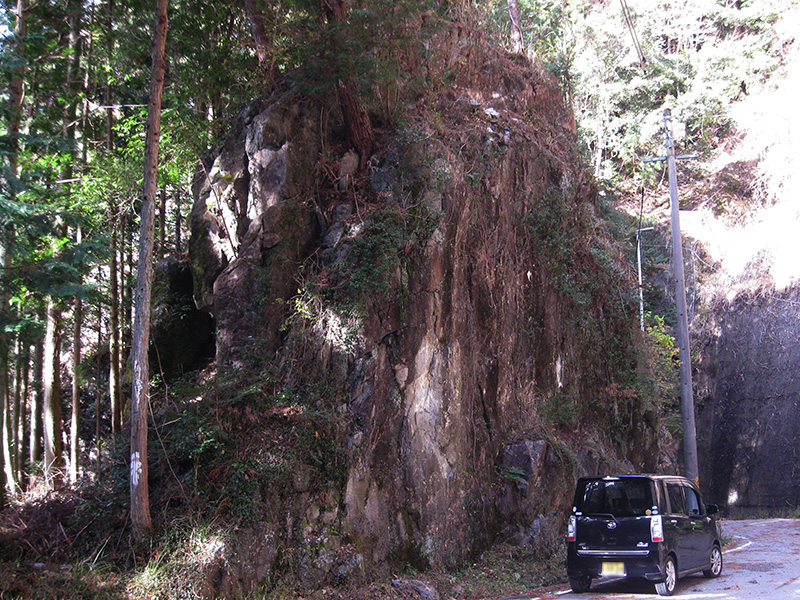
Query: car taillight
[571,529]
[656,529]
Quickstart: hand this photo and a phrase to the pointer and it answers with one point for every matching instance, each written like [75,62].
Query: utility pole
[687,397]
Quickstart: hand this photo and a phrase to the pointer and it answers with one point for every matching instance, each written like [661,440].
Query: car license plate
[611,569]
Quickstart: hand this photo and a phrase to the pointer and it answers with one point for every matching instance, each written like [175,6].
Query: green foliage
[585,275]
[211,59]
[547,32]
[547,221]
[506,570]
[515,475]
[596,297]
[82,581]
[367,268]
[698,53]
[178,568]
[560,410]
[69,174]
[664,369]
[334,51]
[239,453]
[701,55]
[316,52]
[36,232]
[656,260]
[196,438]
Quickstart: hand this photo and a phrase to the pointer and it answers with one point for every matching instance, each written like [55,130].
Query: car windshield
[613,496]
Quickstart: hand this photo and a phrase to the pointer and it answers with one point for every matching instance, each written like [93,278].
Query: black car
[652,527]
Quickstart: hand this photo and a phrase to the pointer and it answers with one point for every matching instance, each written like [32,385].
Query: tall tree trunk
[126,293]
[162,223]
[266,60]
[356,119]
[109,97]
[16,92]
[74,81]
[75,424]
[2,470]
[98,379]
[517,40]
[6,411]
[22,450]
[6,420]
[116,274]
[140,501]
[178,241]
[75,9]
[37,403]
[89,60]
[53,452]
[18,411]
[117,265]
[114,333]
[2,460]
[16,89]
[9,445]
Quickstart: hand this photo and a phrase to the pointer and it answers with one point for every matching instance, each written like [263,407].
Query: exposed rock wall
[475,348]
[247,242]
[749,411]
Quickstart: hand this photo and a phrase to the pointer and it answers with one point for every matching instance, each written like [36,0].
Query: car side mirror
[712,509]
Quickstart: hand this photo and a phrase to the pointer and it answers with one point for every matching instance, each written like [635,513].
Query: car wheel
[667,587]
[716,563]
[580,584]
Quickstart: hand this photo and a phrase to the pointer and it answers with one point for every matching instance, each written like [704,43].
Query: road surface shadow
[633,587]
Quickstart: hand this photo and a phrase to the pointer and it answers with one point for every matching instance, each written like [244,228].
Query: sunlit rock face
[750,413]
[246,242]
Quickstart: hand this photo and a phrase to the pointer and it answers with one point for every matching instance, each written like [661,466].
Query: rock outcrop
[247,242]
[459,300]
[748,410]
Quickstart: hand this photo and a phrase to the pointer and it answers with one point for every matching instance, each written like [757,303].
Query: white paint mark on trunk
[136,469]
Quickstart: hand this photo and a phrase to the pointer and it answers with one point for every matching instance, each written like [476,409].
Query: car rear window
[614,496]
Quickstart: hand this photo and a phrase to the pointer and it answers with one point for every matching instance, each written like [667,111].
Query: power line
[626,14]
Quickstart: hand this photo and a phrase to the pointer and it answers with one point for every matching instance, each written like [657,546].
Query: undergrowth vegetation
[591,277]
[372,259]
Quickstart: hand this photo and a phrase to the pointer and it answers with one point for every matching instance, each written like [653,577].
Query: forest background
[73,144]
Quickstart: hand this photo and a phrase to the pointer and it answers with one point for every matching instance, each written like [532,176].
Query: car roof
[639,475]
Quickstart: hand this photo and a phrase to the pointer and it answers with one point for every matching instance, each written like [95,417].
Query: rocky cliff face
[458,303]
[748,415]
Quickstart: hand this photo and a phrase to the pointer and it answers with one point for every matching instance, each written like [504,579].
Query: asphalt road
[762,563]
